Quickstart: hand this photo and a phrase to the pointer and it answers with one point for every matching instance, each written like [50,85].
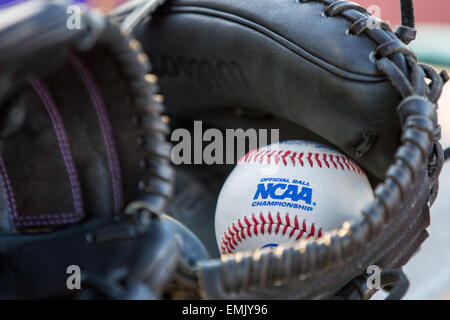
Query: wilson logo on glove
[208,74]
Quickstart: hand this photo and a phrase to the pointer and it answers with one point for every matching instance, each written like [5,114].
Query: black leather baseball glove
[84,167]
[322,70]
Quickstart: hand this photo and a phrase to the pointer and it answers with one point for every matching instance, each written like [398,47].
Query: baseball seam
[256,225]
[312,159]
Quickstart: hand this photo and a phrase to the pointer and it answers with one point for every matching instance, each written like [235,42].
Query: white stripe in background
[433,43]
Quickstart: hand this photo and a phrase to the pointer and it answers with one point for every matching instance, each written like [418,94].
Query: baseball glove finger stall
[327,70]
[82,145]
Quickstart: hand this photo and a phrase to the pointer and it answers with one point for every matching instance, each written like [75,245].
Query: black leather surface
[284,57]
[150,255]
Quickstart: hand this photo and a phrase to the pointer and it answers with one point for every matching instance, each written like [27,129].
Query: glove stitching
[64,145]
[9,191]
[107,131]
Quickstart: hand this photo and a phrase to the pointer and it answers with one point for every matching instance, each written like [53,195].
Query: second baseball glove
[82,144]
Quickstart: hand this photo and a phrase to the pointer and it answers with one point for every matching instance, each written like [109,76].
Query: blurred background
[429,269]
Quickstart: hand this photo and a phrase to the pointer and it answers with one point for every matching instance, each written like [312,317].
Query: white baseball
[288,191]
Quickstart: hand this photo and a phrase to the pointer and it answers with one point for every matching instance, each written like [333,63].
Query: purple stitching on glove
[106,127]
[47,223]
[49,216]
[64,145]
[6,182]
[11,201]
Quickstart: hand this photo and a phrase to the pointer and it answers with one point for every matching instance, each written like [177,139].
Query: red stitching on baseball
[321,160]
[236,233]
[325,160]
